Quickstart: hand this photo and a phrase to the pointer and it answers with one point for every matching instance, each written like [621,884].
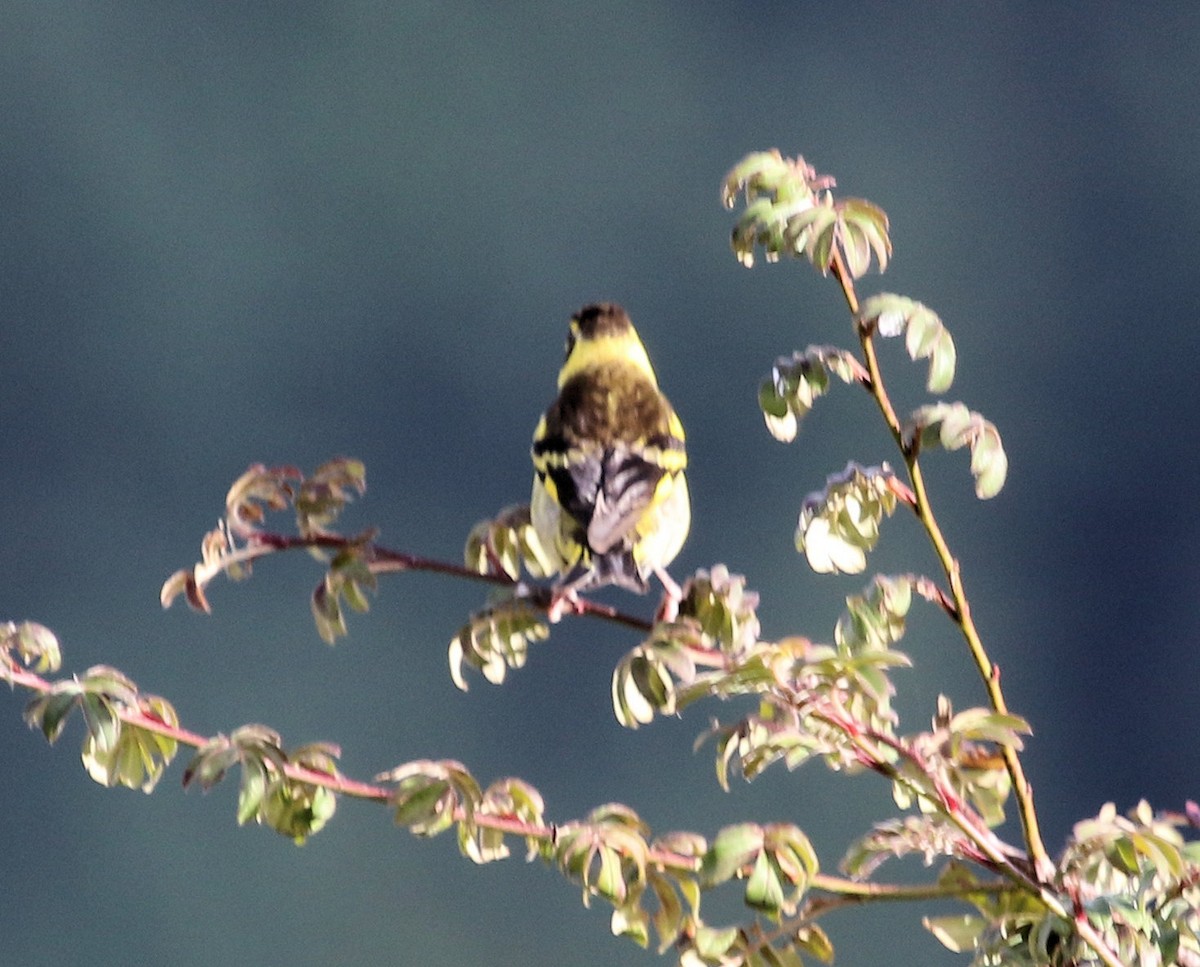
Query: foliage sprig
[1125,890]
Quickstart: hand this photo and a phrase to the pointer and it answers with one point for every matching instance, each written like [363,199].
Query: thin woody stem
[961,613]
[385,560]
[852,891]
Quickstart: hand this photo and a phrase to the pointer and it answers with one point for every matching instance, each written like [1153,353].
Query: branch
[961,613]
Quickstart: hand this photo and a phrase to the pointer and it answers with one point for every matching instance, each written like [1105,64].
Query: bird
[610,501]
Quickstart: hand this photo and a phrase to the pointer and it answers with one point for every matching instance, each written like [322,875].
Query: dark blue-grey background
[281,232]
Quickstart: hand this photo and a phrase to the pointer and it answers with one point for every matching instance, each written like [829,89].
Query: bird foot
[668,607]
[563,601]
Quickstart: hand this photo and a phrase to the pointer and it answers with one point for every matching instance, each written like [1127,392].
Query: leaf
[326,609]
[505,543]
[959,933]
[348,579]
[642,685]
[863,233]
[137,757]
[790,212]
[511,798]
[294,808]
[840,524]
[732,848]
[35,646]
[256,491]
[495,640]
[182,582]
[609,882]
[813,940]
[764,889]
[796,382]
[713,943]
[875,619]
[793,852]
[49,712]
[952,426]
[429,792]
[668,918]
[986,725]
[323,495]
[925,337]
[633,922]
[210,762]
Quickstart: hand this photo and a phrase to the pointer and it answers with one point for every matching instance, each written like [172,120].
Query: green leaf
[790,212]
[875,619]
[495,640]
[927,836]
[103,723]
[642,685]
[725,609]
[258,490]
[793,854]
[323,495]
[137,757]
[428,793]
[840,524]
[757,173]
[985,725]
[813,940]
[109,682]
[426,808]
[511,798]
[668,918]
[252,789]
[210,762]
[34,645]
[610,883]
[327,611]
[797,381]
[49,712]
[713,943]
[296,809]
[506,543]
[959,933]
[633,922]
[952,426]
[863,233]
[817,239]
[764,889]
[733,848]
[925,337]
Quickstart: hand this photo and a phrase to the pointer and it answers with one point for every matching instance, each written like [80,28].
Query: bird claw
[563,601]
[668,607]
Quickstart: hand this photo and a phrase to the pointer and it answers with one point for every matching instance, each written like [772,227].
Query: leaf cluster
[1125,890]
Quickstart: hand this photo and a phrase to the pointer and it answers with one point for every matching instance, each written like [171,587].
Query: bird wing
[626,485]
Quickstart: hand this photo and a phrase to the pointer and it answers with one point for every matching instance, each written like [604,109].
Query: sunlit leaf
[959,933]
[796,382]
[840,524]
[495,640]
[33,644]
[324,494]
[925,336]
[505,544]
[951,426]
[732,848]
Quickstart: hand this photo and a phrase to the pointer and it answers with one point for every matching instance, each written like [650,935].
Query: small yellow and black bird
[610,501]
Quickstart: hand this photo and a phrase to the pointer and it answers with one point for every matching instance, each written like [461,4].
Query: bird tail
[614,567]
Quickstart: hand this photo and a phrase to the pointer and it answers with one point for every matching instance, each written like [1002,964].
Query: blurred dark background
[285,231]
